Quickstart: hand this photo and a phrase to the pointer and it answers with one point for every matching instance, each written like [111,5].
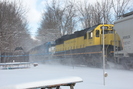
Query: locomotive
[41,53]
[86,46]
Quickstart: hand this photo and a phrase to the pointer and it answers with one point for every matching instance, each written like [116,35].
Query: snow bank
[92,77]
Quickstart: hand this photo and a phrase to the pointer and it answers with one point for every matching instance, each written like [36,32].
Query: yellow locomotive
[85,46]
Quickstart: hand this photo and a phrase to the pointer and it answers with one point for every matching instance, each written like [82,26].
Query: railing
[15,65]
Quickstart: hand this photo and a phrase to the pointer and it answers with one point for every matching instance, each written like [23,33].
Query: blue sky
[34,14]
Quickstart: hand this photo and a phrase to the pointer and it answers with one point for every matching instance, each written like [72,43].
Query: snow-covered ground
[92,77]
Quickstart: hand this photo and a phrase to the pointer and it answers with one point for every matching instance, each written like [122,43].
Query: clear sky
[34,10]
[34,14]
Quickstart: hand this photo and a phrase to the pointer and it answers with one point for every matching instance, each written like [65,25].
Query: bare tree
[85,11]
[12,25]
[121,7]
[93,14]
[49,25]
[68,23]
[104,10]
[58,20]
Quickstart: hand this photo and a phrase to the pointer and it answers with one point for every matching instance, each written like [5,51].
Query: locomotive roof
[76,34]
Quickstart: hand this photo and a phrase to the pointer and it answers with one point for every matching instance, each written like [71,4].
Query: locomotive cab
[95,36]
[94,41]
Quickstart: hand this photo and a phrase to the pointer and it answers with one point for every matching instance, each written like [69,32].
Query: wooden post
[71,86]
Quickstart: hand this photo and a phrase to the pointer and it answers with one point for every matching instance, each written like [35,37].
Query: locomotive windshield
[107,31]
[104,27]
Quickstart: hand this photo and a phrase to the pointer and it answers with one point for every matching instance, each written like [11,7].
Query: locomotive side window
[90,35]
[85,36]
[97,33]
